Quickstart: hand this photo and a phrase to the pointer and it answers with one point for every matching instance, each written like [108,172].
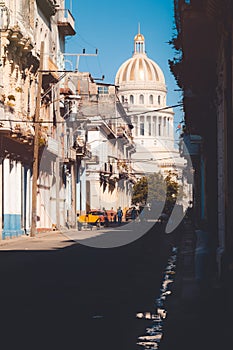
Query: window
[110,168]
[149,129]
[159,99]
[151,99]
[154,126]
[168,127]
[159,127]
[142,129]
[131,99]
[135,129]
[141,99]
[148,118]
[102,90]
[122,99]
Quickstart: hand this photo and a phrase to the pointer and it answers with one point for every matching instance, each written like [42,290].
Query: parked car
[94,217]
[101,214]
[129,215]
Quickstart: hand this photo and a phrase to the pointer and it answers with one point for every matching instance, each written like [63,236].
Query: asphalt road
[79,297]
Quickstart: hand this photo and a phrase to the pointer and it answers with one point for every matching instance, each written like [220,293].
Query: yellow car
[92,218]
[89,218]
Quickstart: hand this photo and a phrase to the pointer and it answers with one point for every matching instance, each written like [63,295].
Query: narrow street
[78,297]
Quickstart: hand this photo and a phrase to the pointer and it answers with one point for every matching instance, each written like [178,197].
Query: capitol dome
[142,91]
[140,70]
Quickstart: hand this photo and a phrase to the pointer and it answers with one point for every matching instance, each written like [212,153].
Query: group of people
[118,217]
[120,214]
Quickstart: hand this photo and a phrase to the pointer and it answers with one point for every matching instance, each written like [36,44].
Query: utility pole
[36,145]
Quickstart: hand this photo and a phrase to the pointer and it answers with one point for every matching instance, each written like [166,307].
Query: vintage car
[93,218]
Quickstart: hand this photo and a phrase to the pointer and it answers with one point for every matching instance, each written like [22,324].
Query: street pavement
[59,293]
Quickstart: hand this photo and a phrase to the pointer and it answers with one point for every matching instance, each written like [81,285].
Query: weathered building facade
[203,69]
[101,132]
[24,25]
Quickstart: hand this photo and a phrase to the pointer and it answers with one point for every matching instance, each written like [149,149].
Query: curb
[39,235]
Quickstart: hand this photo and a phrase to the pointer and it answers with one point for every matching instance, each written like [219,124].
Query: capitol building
[142,91]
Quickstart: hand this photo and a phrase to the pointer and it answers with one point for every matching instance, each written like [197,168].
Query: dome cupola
[139,69]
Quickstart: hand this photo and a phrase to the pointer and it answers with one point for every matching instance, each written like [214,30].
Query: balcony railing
[66,22]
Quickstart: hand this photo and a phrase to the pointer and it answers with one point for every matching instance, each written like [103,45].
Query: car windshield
[96,212]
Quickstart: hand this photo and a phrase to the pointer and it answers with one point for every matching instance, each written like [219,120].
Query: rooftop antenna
[78,55]
[138,27]
[71,7]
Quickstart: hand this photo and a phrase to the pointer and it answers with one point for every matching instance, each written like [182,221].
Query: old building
[101,132]
[203,69]
[24,25]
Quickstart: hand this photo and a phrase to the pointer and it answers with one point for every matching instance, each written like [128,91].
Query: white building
[142,90]
[104,178]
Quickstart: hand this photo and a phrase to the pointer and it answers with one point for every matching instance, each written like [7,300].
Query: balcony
[48,7]
[71,154]
[51,74]
[65,22]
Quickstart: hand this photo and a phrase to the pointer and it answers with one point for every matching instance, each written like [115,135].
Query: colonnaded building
[142,91]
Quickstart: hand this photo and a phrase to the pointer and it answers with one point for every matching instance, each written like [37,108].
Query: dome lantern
[139,42]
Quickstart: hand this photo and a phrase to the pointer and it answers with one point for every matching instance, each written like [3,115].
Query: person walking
[134,214]
[119,215]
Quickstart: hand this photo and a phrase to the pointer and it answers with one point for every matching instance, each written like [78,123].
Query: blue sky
[110,26]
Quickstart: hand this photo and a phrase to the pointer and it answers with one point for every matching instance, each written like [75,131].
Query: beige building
[24,25]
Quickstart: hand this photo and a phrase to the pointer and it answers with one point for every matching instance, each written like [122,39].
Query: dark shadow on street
[81,297]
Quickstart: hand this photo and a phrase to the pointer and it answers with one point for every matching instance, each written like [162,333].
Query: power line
[103,118]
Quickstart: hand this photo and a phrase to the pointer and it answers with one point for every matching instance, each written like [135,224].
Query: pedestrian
[134,214]
[112,218]
[119,215]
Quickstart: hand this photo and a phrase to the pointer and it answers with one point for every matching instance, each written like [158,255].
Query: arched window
[122,99]
[131,99]
[168,127]
[159,99]
[141,99]
[151,99]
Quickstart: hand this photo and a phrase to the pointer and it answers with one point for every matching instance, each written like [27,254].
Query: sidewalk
[194,320]
[47,240]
